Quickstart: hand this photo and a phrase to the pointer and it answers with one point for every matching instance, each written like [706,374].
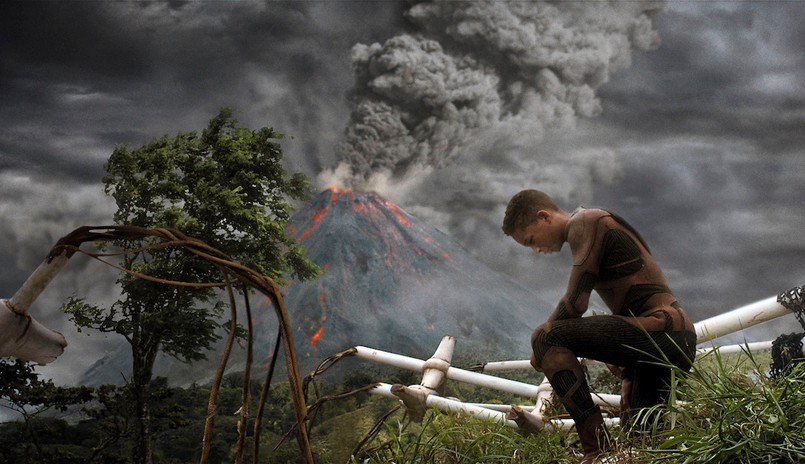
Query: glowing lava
[395,210]
[323,304]
[316,336]
[319,213]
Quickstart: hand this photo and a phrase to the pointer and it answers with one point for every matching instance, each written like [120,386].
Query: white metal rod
[474,378]
[501,407]
[389,359]
[496,383]
[543,397]
[601,399]
[452,406]
[566,425]
[454,373]
[739,319]
[37,282]
[606,399]
[739,348]
[519,364]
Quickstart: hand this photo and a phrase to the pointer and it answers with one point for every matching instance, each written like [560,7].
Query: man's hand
[617,371]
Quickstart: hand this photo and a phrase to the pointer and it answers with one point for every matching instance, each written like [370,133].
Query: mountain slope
[395,283]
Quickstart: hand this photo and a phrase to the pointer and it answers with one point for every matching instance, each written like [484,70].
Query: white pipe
[543,397]
[450,406]
[739,348]
[21,336]
[454,373]
[501,407]
[519,364]
[453,406]
[739,319]
[37,282]
[389,359]
[496,383]
[601,399]
[566,425]
[474,378]
[606,399]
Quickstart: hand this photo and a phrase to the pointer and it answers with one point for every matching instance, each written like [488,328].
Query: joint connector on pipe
[437,364]
[414,398]
[527,422]
[434,371]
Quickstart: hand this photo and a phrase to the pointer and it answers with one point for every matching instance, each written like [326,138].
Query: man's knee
[539,346]
[536,365]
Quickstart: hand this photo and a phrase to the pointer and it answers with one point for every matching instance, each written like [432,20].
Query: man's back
[626,276]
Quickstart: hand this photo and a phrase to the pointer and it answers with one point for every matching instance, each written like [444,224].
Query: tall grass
[734,412]
[443,439]
[726,410]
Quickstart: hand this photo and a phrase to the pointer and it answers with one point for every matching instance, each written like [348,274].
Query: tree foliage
[24,392]
[226,187]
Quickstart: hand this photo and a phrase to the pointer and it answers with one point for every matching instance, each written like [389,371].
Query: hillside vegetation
[728,410]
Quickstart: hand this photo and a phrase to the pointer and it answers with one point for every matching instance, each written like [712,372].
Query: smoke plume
[470,67]
[476,102]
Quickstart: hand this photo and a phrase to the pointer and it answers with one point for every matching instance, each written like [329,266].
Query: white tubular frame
[454,373]
[437,369]
[483,412]
[739,319]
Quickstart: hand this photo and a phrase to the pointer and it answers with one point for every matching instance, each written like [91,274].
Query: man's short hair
[522,209]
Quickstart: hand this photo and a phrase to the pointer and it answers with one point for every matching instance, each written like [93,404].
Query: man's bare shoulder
[583,219]
[581,231]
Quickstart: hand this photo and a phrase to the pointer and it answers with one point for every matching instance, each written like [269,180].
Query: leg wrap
[568,381]
[574,394]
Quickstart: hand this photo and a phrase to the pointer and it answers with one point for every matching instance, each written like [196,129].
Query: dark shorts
[646,357]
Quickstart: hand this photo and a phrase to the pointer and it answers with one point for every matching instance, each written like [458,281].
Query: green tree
[226,187]
[25,393]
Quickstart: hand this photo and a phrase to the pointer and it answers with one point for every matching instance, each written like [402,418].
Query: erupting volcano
[390,282]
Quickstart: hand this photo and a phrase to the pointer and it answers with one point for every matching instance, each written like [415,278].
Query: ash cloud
[479,100]
[472,70]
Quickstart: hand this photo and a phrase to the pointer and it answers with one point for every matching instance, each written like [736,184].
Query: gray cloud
[85,77]
[707,133]
[472,67]
[726,71]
